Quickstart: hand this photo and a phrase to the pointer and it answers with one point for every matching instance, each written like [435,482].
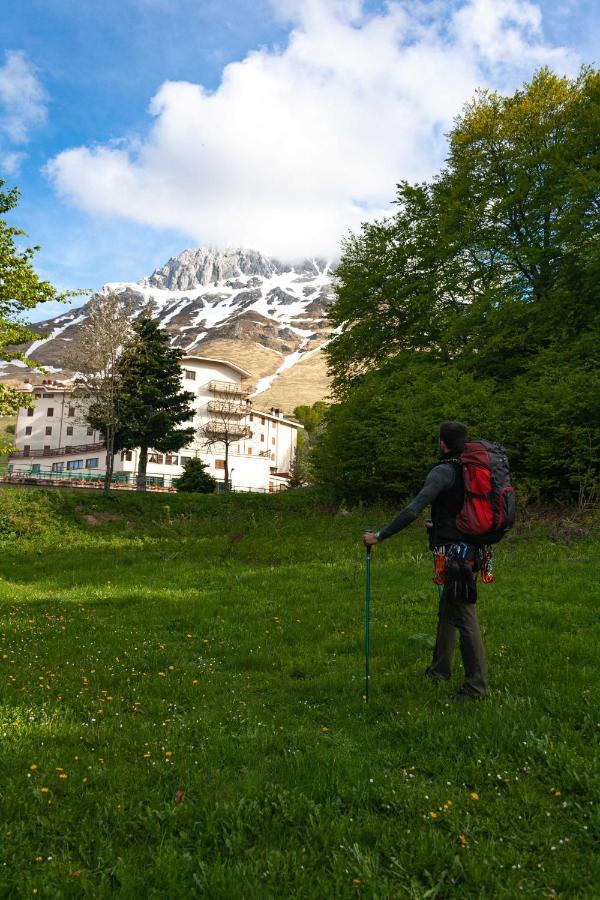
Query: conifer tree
[196,478]
[153,406]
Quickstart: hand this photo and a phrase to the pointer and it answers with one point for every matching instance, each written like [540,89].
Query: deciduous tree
[21,289]
[101,341]
[224,428]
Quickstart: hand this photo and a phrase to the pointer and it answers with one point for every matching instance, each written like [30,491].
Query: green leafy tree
[498,253]
[311,418]
[382,438]
[21,289]
[196,478]
[490,271]
[152,404]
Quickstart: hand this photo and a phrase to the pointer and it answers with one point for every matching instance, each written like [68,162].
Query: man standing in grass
[444,490]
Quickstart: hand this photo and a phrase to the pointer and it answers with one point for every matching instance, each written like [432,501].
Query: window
[47,396]
[71,412]
[126,455]
[69,429]
[50,411]
[28,429]
[48,429]
[26,449]
[272,456]
[46,447]
[262,420]
[273,441]
[30,411]
[36,469]
[184,459]
[38,396]
[171,460]
[90,431]
[74,464]
[262,438]
[58,467]
[156,458]
[189,374]
[92,463]
[249,451]
[252,417]
[219,463]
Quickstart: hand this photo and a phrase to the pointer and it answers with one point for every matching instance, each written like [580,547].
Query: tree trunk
[226,486]
[142,466]
[110,458]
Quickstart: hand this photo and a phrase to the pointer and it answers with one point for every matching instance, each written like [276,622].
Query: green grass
[181,708]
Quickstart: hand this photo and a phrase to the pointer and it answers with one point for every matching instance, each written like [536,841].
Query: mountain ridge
[234,303]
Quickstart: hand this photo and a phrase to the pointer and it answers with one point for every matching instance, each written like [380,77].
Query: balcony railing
[230,388]
[75,450]
[230,407]
[229,430]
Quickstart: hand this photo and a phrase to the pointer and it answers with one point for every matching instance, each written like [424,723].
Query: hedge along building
[52,437]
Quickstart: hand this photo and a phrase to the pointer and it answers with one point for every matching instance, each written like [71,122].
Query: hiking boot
[433,676]
[464,697]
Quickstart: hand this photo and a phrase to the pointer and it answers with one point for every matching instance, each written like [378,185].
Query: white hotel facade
[52,438]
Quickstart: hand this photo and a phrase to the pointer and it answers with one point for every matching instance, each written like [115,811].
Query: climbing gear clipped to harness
[459,563]
[489,506]
[455,567]
[439,566]
[487,565]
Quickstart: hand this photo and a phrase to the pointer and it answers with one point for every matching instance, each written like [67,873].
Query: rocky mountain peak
[268,316]
[199,267]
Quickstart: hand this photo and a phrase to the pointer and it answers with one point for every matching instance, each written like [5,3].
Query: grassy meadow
[181,709]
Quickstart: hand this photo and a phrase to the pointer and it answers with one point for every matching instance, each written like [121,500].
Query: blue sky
[137,128]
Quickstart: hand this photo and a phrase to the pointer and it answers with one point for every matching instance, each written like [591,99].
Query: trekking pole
[367,619]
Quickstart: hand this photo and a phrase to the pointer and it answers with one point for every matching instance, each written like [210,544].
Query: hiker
[444,490]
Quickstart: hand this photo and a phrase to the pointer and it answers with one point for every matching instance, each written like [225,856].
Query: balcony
[229,388]
[75,450]
[230,430]
[231,407]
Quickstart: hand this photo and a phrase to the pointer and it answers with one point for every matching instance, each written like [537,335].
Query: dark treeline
[479,299]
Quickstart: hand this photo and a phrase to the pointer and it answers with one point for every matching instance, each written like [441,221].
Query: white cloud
[300,143]
[10,162]
[22,107]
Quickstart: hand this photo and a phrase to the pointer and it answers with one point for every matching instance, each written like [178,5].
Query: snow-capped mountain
[269,317]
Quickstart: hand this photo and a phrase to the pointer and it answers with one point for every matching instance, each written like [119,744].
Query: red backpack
[489,506]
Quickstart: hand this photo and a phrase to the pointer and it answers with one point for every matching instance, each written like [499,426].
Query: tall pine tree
[153,405]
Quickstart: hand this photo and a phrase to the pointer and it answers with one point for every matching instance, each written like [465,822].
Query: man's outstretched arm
[439,479]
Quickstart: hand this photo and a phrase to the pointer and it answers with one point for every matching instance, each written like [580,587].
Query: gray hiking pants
[453,617]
